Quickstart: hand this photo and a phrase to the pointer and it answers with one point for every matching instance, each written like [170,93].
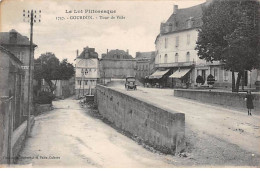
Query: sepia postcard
[129,84]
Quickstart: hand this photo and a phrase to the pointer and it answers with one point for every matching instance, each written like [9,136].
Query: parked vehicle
[130,83]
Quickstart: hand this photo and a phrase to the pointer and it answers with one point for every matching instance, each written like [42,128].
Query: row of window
[142,67]
[176,57]
[86,82]
[86,71]
[166,42]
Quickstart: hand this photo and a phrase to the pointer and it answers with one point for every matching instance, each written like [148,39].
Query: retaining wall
[19,137]
[162,129]
[40,108]
[230,99]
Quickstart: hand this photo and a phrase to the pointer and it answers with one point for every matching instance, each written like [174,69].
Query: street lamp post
[31,17]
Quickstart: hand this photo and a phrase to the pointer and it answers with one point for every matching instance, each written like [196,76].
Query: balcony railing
[176,64]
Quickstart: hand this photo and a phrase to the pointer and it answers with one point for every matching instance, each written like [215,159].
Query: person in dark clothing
[249,102]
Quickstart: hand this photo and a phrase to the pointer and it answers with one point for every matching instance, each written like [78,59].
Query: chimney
[13,37]
[127,51]
[175,9]
[107,51]
[77,53]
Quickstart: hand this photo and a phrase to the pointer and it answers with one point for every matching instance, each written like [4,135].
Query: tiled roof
[111,54]
[88,53]
[145,55]
[20,39]
[183,15]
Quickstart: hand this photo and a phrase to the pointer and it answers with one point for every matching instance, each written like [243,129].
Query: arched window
[176,57]
[165,58]
[188,56]
[160,59]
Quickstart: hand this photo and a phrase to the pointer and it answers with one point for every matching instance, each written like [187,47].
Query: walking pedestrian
[249,102]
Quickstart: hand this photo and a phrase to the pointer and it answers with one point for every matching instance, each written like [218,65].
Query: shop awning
[158,74]
[179,73]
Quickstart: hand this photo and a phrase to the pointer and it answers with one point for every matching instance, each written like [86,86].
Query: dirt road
[69,137]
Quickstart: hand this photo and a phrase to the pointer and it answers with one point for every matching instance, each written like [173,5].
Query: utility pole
[32,18]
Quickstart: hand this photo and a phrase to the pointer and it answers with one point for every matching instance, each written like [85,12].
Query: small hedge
[44,98]
[200,80]
[210,79]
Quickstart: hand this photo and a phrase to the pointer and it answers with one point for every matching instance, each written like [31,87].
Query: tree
[200,80]
[48,67]
[210,79]
[229,34]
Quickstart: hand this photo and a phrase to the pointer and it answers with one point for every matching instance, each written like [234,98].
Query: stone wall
[19,137]
[228,99]
[162,129]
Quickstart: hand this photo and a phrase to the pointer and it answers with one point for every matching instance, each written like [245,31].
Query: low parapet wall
[157,127]
[229,99]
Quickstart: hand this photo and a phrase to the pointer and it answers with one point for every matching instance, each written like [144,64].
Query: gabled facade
[87,72]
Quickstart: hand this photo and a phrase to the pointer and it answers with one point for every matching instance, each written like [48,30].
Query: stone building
[11,84]
[87,72]
[177,62]
[19,45]
[144,64]
[117,64]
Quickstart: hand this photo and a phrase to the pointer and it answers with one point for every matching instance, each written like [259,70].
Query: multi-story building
[177,62]
[19,45]
[87,72]
[144,64]
[117,64]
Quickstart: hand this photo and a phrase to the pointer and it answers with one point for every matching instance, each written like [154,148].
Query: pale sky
[137,32]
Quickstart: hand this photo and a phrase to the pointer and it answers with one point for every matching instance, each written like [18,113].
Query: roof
[88,53]
[119,52]
[10,55]
[145,55]
[183,15]
[20,39]
[179,21]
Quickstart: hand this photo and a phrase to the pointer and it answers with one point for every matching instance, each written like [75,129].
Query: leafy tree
[229,34]
[48,67]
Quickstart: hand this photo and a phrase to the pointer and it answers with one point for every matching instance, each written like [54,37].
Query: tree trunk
[243,80]
[238,81]
[233,82]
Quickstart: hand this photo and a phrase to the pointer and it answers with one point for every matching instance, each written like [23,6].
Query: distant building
[19,45]
[144,64]
[87,72]
[177,62]
[64,88]
[117,64]
[11,84]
